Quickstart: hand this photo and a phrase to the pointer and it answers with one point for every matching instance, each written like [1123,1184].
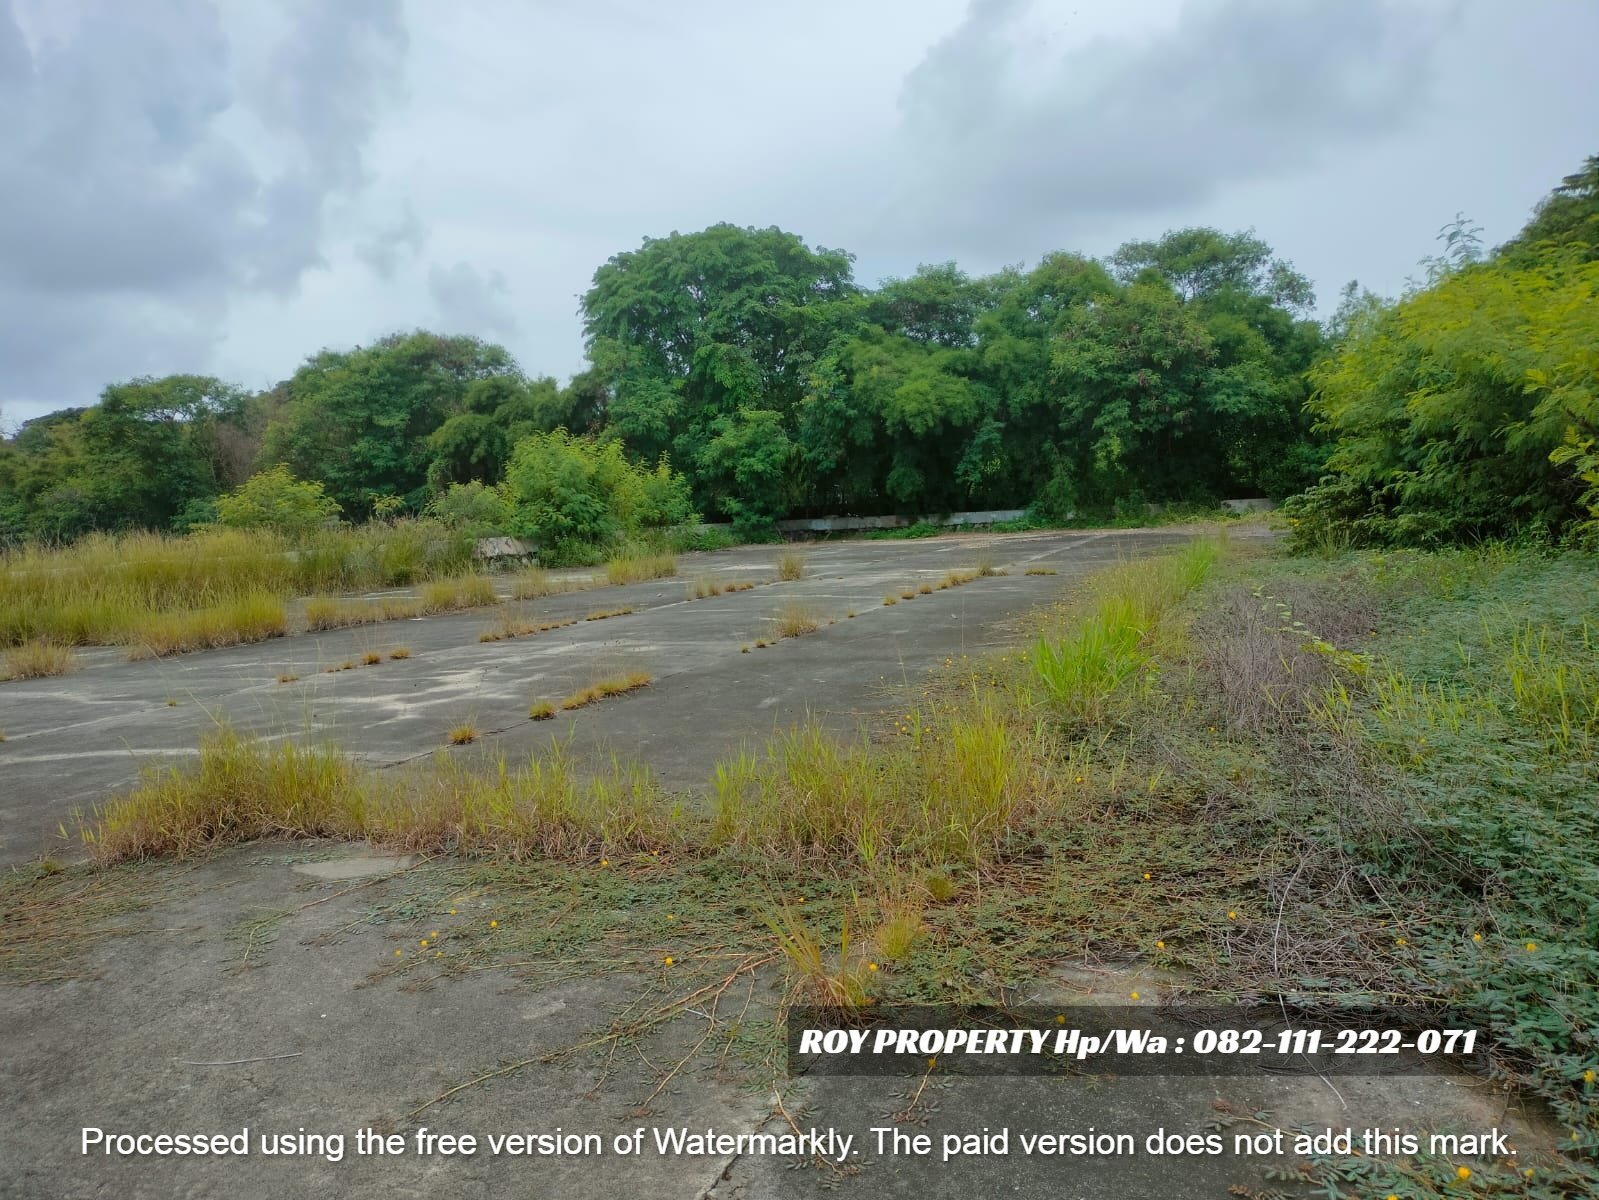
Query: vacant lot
[1128,807]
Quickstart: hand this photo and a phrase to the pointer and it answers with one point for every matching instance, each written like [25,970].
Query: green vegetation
[144,588]
[1470,408]
[1280,777]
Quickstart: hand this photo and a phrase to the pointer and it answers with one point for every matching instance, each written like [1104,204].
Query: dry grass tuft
[39,659]
[543,710]
[287,677]
[604,689]
[791,566]
[796,620]
[604,614]
[463,735]
[400,652]
[1041,571]
[637,568]
[371,658]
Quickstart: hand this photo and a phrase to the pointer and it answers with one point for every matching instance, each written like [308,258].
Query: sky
[226,187]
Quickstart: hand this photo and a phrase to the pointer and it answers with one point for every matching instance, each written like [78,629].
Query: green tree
[689,329]
[360,420]
[1199,263]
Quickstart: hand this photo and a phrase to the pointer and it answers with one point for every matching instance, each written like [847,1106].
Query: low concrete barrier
[855,524]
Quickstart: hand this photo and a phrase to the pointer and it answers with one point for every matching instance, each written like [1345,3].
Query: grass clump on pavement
[640,566]
[38,659]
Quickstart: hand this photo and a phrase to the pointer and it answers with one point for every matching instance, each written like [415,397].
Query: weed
[542,710]
[838,984]
[535,582]
[908,594]
[39,659]
[925,589]
[287,677]
[890,600]
[603,614]
[791,566]
[252,618]
[638,567]
[615,685]
[1041,571]
[704,587]
[400,652]
[796,620]
[463,735]
[371,658]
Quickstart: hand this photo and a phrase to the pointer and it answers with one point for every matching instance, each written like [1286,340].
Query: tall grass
[962,790]
[1104,645]
[116,589]
[791,566]
[37,660]
[637,566]
[241,789]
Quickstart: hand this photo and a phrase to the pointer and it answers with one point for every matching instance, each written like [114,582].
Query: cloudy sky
[226,187]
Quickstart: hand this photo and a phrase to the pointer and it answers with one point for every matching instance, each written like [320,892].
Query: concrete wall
[853,524]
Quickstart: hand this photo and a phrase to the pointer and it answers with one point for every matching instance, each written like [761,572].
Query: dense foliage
[1179,369]
[1470,408]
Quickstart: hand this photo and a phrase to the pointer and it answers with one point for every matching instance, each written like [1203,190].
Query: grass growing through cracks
[791,566]
[38,659]
[1279,778]
[640,566]
[796,620]
[604,689]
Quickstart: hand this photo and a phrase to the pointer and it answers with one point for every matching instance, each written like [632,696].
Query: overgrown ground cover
[1370,775]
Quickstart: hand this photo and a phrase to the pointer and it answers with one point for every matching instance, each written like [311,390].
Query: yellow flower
[1476,937]
[424,943]
[670,960]
[1135,995]
[605,862]
[1531,946]
[1462,1173]
[452,912]
[1060,1018]
[399,954]
[1232,916]
[1079,779]
[1400,942]
[494,924]
[1160,945]
[1587,1076]
[871,966]
[1146,874]
[433,933]
[671,916]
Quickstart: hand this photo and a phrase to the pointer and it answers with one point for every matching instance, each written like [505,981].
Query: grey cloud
[469,301]
[1236,90]
[384,250]
[147,181]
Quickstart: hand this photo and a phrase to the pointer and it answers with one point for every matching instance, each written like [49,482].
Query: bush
[276,500]
[571,494]
[474,508]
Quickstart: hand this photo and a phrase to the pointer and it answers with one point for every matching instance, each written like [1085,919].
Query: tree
[360,420]
[1470,408]
[689,329]
[1200,263]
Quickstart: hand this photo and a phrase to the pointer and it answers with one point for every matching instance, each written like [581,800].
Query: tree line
[742,374]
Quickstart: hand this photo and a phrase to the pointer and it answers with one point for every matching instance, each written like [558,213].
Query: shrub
[275,499]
